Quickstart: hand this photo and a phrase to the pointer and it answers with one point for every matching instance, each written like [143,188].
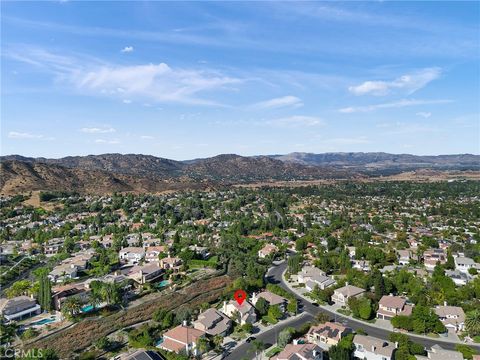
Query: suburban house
[452,317]
[19,308]
[404,256]
[271,298]
[432,257]
[372,348]
[362,265]
[308,272]
[152,253]
[132,255]
[63,272]
[300,352]
[53,246]
[459,278]
[327,334]
[200,250]
[139,354]
[463,264]
[267,250]
[391,306]
[340,296]
[436,352]
[171,263]
[246,312]
[143,274]
[62,293]
[182,338]
[213,322]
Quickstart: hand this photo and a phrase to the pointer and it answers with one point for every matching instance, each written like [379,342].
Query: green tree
[285,336]
[262,306]
[103,343]
[274,312]
[258,347]
[339,353]
[218,342]
[292,306]
[466,351]
[45,291]
[472,322]
[203,345]
[71,307]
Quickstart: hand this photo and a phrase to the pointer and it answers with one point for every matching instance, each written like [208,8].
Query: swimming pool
[87,308]
[43,321]
[163,283]
[159,342]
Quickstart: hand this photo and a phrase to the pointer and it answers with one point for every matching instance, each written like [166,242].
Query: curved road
[274,275]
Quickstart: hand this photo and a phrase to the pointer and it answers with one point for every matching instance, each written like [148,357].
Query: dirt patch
[34,201]
[79,337]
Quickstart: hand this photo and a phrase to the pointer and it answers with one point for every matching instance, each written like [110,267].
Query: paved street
[245,351]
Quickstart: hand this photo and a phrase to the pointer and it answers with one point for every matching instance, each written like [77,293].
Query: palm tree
[202,345]
[258,346]
[71,307]
[111,294]
[94,299]
[472,323]
[218,341]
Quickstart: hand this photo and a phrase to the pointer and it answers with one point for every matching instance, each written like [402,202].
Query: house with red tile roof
[182,339]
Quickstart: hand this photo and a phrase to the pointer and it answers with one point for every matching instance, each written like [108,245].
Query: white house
[371,348]
[340,296]
[463,264]
[452,317]
[243,314]
[18,308]
[132,255]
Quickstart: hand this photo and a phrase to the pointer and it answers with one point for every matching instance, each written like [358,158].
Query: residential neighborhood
[164,281]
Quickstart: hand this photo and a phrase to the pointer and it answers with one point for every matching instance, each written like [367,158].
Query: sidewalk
[381,324]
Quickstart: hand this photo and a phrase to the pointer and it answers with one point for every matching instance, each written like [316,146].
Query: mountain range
[145,173]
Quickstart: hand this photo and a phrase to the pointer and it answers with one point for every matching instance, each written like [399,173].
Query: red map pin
[240,296]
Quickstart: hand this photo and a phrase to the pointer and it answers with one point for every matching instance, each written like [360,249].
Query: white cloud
[108,142]
[396,104]
[408,83]
[127,101]
[424,114]
[20,135]
[97,130]
[144,82]
[296,121]
[147,137]
[127,49]
[285,101]
[157,82]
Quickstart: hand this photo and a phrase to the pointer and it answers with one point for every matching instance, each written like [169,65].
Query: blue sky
[185,80]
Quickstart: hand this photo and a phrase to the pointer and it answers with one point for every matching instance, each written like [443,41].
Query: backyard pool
[87,308]
[159,342]
[43,321]
[163,283]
